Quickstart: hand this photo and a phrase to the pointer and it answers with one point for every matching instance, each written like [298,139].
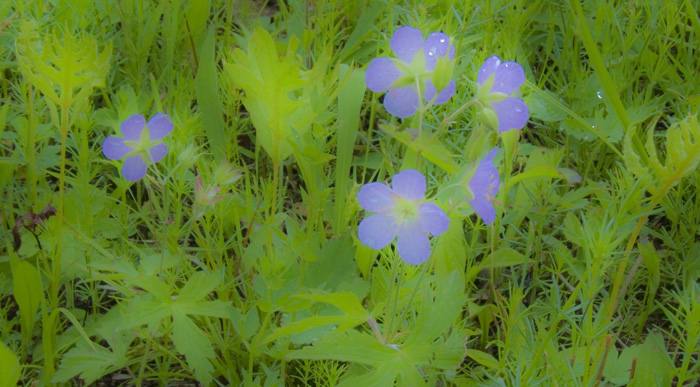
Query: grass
[588,277]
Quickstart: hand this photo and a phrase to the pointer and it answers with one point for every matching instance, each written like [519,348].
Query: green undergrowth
[236,260]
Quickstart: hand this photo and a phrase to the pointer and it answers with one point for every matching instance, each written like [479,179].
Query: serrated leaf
[542,107]
[353,314]
[440,312]
[194,344]
[91,362]
[268,83]
[198,286]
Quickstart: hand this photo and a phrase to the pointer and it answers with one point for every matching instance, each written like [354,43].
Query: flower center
[142,146]
[405,210]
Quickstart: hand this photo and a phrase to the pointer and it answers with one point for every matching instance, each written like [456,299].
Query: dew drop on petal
[442,40]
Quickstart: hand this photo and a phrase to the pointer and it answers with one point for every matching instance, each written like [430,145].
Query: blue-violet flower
[484,184]
[141,144]
[401,211]
[414,69]
[498,81]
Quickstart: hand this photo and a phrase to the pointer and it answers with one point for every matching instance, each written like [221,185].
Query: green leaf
[269,83]
[206,86]
[542,107]
[350,99]
[9,367]
[198,286]
[542,170]
[503,257]
[190,341]
[483,358]
[353,314]
[363,28]
[196,14]
[91,362]
[439,312]
[451,252]
[28,294]
[429,146]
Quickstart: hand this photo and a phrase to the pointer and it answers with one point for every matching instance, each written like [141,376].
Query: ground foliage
[236,261]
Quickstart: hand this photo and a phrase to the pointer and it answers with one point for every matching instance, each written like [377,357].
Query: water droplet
[586,137]
[431,53]
[442,40]
[599,94]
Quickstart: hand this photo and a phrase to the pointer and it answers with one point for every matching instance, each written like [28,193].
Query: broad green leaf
[141,310]
[350,100]
[196,13]
[28,294]
[190,341]
[9,367]
[353,314]
[541,106]
[440,312]
[483,358]
[451,252]
[207,89]
[269,83]
[198,286]
[91,362]
[216,308]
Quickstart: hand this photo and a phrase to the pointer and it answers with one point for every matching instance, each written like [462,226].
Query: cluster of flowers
[424,68]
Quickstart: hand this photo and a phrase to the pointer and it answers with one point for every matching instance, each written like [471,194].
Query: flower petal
[435,46]
[484,184]
[512,114]
[157,152]
[375,197]
[381,73]
[377,231]
[134,168]
[508,77]
[132,127]
[410,184]
[433,218]
[446,93]
[114,148]
[413,245]
[405,42]
[401,101]
[159,126]
[487,69]
[484,208]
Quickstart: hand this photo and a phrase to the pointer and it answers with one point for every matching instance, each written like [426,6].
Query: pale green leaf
[190,341]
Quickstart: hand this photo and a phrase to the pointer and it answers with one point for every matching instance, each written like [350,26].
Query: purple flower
[400,211]
[139,146]
[416,61]
[484,184]
[498,81]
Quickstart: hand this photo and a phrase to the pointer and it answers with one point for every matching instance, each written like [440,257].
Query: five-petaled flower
[401,211]
[141,144]
[498,81]
[414,72]
[483,185]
